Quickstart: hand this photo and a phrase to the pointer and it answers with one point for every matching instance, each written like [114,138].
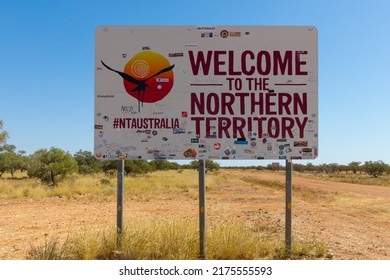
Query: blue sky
[47,66]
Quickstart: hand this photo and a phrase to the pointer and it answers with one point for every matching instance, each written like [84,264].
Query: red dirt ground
[351,220]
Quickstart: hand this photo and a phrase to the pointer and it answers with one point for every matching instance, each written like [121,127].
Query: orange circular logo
[147,76]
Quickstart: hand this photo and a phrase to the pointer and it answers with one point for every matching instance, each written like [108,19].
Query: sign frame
[206,92]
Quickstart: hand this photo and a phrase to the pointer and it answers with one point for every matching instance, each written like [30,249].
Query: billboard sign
[206,92]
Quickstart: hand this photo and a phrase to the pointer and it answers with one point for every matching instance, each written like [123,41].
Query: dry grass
[76,185]
[160,183]
[164,183]
[357,178]
[302,193]
[153,239]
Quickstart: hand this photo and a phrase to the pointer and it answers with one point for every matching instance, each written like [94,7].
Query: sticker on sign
[241,89]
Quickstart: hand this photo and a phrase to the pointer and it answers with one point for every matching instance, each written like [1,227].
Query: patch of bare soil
[352,221]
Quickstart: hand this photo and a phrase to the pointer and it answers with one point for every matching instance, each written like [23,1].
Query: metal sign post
[207,92]
[119,217]
[202,210]
[288,206]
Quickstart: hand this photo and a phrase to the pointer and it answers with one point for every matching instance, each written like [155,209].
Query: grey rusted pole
[120,192]
[289,206]
[202,210]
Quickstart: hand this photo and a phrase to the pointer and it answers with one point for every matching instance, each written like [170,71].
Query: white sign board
[206,92]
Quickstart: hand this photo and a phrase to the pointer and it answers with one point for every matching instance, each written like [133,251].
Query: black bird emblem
[140,84]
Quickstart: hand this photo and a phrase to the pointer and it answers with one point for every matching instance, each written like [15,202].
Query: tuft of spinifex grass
[76,185]
[153,239]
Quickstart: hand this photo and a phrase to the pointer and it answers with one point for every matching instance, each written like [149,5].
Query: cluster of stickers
[183,92]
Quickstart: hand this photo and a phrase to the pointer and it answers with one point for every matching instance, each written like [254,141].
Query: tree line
[372,168]
[53,165]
